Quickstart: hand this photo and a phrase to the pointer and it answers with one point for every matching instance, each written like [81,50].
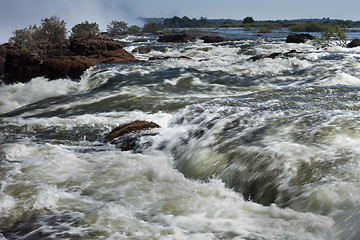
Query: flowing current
[266,149]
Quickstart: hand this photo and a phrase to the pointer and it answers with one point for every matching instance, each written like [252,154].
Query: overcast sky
[18,14]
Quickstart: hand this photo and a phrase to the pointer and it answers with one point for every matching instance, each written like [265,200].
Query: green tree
[248,20]
[21,37]
[228,22]
[134,29]
[36,34]
[308,27]
[116,28]
[85,29]
[203,21]
[53,29]
[175,22]
[333,33]
[151,28]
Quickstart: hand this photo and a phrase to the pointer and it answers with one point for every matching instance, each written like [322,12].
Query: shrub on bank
[85,29]
[151,28]
[117,28]
[133,29]
[51,30]
[308,27]
[333,33]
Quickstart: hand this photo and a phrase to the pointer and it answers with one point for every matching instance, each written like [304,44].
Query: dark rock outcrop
[175,38]
[299,38]
[354,43]
[69,58]
[2,61]
[127,136]
[212,39]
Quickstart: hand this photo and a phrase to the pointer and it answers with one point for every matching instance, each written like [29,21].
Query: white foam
[94,77]
[274,67]
[7,204]
[20,94]
[126,195]
[341,78]
[143,195]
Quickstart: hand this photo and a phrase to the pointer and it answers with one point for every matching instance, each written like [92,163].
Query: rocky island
[67,58]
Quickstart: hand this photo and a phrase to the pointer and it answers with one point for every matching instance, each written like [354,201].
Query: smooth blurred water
[246,150]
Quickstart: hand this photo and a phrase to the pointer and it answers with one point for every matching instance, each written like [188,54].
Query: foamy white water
[118,194]
[246,150]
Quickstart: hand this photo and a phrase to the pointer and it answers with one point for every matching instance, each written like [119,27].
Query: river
[266,149]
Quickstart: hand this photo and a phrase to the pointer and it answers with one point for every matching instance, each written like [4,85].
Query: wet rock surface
[299,38]
[212,39]
[175,38]
[127,136]
[354,43]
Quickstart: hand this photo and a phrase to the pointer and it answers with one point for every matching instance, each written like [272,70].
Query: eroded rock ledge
[69,58]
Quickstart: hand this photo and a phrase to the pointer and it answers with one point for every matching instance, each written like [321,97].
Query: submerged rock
[299,38]
[69,58]
[354,43]
[127,136]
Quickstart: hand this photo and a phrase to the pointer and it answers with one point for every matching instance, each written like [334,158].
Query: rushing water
[246,150]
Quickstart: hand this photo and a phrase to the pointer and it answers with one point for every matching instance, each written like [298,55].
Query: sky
[18,14]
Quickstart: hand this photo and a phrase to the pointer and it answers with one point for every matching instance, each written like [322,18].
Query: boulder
[142,50]
[299,38]
[175,38]
[68,58]
[212,39]
[354,43]
[127,136]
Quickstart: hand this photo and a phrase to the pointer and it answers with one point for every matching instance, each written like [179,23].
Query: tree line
[54,29]
[185,22]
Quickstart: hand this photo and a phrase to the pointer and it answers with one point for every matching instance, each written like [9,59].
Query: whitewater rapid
[246,150]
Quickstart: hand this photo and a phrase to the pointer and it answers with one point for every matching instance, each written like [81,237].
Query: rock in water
[212,39]
[68,58]
[299,38]
[354,43]
[142,50]
[175,38]
[274,55]
[126,136]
